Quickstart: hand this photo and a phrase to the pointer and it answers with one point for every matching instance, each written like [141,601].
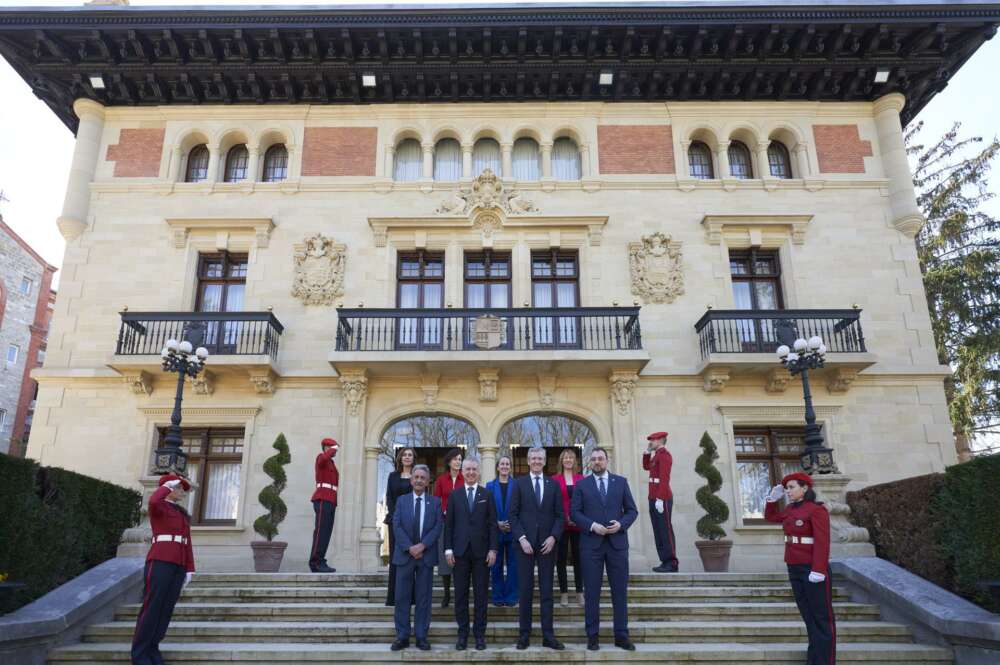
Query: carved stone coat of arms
[656,268]
[319,270]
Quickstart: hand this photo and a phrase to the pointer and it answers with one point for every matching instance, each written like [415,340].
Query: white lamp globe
[792,357]
[172,345]
[186,347]
[783,351]
[800,345]
[815,342]
[164,353]
[201,353]
[821,350]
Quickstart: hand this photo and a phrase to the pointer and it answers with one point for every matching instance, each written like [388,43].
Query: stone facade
[844,238]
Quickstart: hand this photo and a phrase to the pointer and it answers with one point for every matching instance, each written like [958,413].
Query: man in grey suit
[416,526]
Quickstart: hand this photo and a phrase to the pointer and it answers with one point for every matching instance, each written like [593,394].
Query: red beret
[329,442]
[656,435]
[173,476]
[802,479]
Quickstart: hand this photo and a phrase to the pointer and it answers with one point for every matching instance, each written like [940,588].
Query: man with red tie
[658,461]
[324,501]
[169,568]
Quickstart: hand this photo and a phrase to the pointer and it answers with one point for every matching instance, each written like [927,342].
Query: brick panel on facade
[839,149]
[339,151]
[137,153]
[635,148]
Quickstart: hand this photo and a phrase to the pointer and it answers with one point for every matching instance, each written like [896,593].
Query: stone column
[76,203]
[906,214]
[253,165]
[802,159]
[390,161]
[428,167]
[722,159]
[845,538]
[507,160]
[763,166]
[467,161]
[359,537]
[213,164]
[683,165]
[626,460]
[174,168]
[585,170]
[487,461]
[546,160]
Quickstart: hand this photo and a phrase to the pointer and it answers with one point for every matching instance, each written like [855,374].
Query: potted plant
[714,549]
[267,554]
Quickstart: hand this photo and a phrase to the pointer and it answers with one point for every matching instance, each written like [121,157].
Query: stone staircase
[733,618]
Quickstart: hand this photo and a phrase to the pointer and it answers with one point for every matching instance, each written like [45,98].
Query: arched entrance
[546,430]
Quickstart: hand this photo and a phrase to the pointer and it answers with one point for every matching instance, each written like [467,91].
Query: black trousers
[470,566]
[163,584]
[323,528]
[815,601]
[569,540]
[526,589]
[663,533]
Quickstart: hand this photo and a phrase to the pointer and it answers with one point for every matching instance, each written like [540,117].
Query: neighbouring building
[26,301]
[489,227]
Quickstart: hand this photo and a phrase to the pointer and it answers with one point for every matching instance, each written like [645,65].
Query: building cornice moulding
[202,411]
[768,411]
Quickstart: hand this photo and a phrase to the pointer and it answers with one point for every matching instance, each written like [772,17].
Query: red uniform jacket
[443,487]
[805,519]
[658,464]
[326,474]
[561,479]
[169,519]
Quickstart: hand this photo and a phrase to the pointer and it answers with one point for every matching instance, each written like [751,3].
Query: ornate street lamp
[802,357]
[178,357]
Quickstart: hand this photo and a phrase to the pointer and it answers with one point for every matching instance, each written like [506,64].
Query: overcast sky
[36,148]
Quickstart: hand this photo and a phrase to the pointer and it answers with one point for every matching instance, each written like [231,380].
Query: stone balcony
[740,343]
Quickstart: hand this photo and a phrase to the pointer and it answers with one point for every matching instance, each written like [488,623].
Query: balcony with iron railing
[590,335]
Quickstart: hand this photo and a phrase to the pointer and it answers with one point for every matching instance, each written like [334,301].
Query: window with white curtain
[215,464]
[448,160]
[740,163]
[566,163]
[526,160]
[486,155]
[409,161]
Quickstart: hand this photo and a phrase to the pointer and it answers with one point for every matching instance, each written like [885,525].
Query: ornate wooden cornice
[697,52]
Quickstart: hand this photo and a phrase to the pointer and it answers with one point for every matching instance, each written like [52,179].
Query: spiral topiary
[267,525]
[715,508]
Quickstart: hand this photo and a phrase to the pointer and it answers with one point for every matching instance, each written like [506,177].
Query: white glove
[188,576]
[659,506]
[816,577]
[172,483]
[776,493]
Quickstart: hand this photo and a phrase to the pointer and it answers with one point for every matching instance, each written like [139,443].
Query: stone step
[377,594]
[360,612]
[678,653]
[500,632]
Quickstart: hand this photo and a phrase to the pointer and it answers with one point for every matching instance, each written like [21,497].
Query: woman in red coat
[567,477]
[443,487]
[806,523]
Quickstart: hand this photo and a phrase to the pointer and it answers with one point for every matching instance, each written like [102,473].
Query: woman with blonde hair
[567,476]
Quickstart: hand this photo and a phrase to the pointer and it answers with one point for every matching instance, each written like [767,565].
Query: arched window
[486,155]
[778,160]
[432,436]
[409,161]
[236,163]
[275,163]
[197,164]
[548,431]
[700,161]
[448,160]
[566,164]
[527,161]
[740,165]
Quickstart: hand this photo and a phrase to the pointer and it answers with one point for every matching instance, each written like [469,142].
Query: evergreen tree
[716,510]
[267,524]
[959,253]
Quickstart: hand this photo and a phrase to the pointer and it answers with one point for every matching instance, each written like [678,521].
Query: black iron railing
[753,331]
[226,333]
[581,328]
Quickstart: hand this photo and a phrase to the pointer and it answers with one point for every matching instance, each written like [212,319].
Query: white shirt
[467,488]
[423,510]
[607,483]
[541,492]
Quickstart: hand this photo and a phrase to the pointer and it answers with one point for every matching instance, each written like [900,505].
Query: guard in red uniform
[658,461]
[324,501]
[807,552]
[169,567]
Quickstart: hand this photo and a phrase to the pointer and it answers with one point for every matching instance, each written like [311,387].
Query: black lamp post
[803,356]
[179,357]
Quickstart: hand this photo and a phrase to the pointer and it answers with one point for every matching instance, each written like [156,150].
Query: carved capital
[489,381]
[547,390]
[909,225]
[355,387]
[263,382]
[623,384]
[141,383]
[715,379]
[71,228]
[777,380]
[839,379]
[204,383]
[429,386]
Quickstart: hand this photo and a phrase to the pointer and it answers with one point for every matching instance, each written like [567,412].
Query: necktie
[602,488]
[538,491]
[472,497]
[416,522]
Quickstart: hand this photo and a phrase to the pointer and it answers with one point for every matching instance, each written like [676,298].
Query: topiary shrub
[716,510]
[267,525]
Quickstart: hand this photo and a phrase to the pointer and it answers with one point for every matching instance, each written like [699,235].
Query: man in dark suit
[536,518]
[604,509]
[470,545]
[416,526]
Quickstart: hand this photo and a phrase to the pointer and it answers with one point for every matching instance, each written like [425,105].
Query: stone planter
[714,555]
[267,555]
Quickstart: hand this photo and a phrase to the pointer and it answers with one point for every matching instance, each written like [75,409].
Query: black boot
[447,591]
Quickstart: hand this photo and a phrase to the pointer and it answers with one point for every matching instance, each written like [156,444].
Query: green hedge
[944,527]
[56,524]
